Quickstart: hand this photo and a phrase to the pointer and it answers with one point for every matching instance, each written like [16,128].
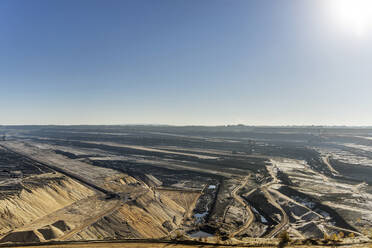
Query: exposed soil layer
[233,182]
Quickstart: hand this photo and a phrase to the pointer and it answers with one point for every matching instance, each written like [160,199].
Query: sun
[353,15]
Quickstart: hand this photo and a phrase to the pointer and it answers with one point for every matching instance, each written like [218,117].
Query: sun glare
[353,15]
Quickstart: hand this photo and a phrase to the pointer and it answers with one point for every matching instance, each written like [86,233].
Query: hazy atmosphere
[186,62]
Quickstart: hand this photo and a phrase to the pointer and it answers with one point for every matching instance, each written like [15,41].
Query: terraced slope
[151,215]
[40,196]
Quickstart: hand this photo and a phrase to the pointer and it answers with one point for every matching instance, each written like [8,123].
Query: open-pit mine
[157,186]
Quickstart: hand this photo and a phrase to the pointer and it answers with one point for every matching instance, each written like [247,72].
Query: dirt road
[284,221]
[246,206]
[326,161]
[270,198]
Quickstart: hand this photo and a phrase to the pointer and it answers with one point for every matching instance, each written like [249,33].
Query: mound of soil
[61,225]
[50,232]
[21,237]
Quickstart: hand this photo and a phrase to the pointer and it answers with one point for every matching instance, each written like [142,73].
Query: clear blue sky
[180,62]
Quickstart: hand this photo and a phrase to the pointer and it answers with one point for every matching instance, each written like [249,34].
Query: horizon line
[193,125]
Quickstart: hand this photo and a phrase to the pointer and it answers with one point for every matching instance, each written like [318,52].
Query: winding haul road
[265,189]
[246,206]
[278,228]
[284,222]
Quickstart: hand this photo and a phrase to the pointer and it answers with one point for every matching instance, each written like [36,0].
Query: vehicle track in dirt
[246,206]
[283,222]
[265,189]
